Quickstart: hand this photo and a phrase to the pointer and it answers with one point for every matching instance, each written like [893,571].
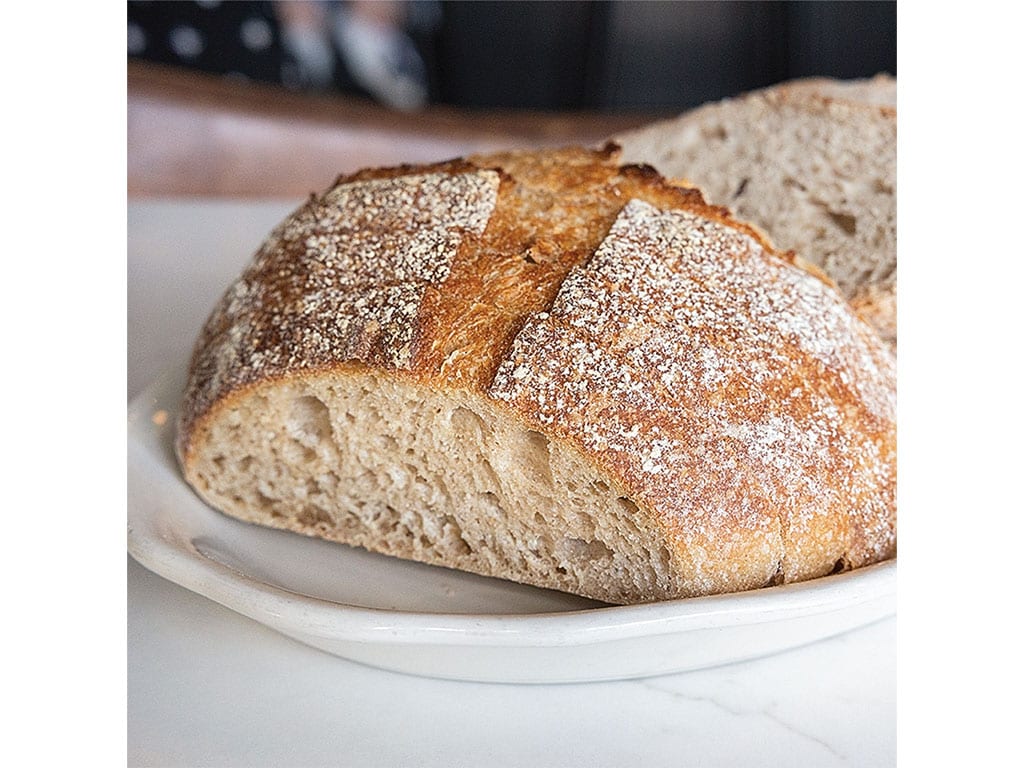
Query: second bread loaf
[812,163]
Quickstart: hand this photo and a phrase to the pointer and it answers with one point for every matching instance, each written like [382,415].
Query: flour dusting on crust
[340,280]
[665,405]
[724,385]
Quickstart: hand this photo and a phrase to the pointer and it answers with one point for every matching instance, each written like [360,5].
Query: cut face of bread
[812,163]
[405,470]
[547,368]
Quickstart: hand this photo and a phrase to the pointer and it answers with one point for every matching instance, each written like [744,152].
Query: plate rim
[181,562]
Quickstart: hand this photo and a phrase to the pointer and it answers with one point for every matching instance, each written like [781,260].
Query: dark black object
[612,56]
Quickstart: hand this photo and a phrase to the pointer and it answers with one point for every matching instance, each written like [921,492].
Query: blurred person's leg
[378,53]
[305,34]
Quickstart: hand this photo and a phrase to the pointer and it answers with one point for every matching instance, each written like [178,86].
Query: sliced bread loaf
[552,369]
[812,163]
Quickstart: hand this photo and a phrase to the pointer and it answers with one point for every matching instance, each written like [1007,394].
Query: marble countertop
[207,686]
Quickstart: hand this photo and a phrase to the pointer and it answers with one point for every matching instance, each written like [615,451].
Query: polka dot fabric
[235,38]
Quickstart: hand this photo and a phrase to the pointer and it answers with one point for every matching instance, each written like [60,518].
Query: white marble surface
[209,687]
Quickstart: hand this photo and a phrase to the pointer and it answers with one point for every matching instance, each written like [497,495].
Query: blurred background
[525,55]
[422,80]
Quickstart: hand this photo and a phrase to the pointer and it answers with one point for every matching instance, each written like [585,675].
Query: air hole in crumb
[841,565]
[246,463]
[309,422]
[218,462]
[717,132]
[600,485]
[452,532]
[581,550]
[312,516]
[263,501]
[537,440]
[492,476]
[741,188]
[403,530]
[313,487]
[535,454]
[792,183]
[466,422]
[492,503]
[629,505]
[844,221]
[666,558]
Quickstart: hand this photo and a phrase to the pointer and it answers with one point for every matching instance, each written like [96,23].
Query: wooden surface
[194,134]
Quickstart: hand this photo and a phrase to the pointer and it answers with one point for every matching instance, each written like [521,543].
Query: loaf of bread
[549,368]
[812,163]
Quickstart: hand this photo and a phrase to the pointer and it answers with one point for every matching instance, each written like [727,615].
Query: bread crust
[550,213]
[593,303]
[836,127]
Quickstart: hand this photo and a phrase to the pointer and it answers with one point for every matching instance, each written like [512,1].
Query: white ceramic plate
[438,622]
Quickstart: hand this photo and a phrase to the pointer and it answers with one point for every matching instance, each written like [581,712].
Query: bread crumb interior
[377,462]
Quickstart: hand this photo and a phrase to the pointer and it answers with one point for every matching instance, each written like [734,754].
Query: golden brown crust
[315,295]
[723,388]
[342,280]
[735,396]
